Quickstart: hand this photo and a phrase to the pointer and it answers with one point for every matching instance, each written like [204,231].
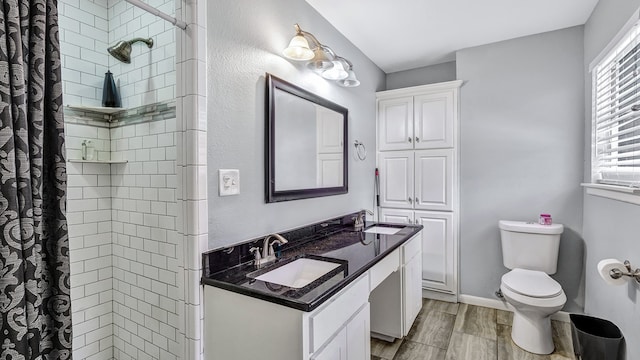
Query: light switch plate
[229,182]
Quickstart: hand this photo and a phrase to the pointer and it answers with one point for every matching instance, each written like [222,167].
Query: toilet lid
[531,283]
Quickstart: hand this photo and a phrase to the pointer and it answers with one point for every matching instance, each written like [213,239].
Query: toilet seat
[531,283]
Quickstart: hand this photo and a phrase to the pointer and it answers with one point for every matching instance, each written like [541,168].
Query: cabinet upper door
[396,179]
[433,121]
[434,179]
[395,124]
[438,258]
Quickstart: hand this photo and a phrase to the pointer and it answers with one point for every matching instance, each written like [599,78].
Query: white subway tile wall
[84,34]
[145,262]
[123,242]
[89,27]
[89,219]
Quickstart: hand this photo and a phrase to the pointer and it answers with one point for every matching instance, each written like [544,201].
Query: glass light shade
[298,49]
[350,81]
[335,73]
[321,61]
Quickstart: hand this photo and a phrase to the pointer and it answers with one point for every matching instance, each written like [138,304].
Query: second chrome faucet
[267,255]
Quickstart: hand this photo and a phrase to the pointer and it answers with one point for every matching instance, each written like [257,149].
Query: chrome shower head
[122,49]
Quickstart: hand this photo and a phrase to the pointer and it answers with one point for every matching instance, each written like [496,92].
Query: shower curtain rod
[148,8]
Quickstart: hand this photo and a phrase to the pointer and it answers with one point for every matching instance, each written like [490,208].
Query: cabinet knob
[409,139]
[417,222]
[410,201]
[417,139]
[417,201]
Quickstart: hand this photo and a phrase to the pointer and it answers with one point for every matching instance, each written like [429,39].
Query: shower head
[122,49]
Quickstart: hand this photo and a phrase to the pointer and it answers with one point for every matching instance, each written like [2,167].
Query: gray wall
[521,152]
[245,40]
[422,76]
[611,227]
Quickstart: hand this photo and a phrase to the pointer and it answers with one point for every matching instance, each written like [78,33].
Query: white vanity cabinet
[243,327]
[238,326]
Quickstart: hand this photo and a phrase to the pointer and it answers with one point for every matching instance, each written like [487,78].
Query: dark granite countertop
[333,240]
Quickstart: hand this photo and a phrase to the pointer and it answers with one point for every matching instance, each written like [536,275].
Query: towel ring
[361,150]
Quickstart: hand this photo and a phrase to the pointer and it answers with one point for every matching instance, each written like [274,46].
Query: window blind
[616,114]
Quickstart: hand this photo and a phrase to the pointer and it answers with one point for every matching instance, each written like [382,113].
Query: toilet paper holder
[617,273]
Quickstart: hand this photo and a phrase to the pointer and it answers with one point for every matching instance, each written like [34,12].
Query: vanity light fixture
[304,46]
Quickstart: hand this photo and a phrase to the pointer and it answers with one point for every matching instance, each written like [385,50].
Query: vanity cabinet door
[352,342]
[434,184]
[396,179]
[412,276]
[336,349]
[438,256]
[359,335]
[434,118]
[395,124]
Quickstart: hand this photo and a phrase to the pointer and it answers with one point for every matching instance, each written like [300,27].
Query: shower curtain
[35,307]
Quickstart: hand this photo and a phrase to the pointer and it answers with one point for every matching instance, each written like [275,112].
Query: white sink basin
[299,273]
[382,230]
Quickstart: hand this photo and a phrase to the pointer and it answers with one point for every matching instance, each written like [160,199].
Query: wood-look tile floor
[447,331]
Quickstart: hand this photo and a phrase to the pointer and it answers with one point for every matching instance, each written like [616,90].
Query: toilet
[530,250]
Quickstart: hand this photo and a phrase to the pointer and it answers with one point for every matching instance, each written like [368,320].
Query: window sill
[620,193]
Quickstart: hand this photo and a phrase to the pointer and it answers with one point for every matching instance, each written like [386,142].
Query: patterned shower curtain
[35,308]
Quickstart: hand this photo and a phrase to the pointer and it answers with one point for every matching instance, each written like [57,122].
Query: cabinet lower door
[336,349]
[359,335]
[412,273]
[438,257]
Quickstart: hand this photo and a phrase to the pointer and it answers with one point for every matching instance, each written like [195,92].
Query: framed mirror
[306,136]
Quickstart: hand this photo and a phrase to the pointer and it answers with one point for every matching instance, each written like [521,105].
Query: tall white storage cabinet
[418,162]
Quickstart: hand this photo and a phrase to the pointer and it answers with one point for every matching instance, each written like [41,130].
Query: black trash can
[595,339]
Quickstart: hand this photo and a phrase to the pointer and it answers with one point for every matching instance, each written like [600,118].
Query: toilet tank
[527,245]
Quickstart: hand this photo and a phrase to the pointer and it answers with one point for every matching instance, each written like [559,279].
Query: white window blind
[616,114]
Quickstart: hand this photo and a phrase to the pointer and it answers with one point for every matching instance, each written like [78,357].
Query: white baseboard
[503,305]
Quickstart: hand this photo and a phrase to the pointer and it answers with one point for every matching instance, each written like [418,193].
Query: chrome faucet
[268,255]
[358,223]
